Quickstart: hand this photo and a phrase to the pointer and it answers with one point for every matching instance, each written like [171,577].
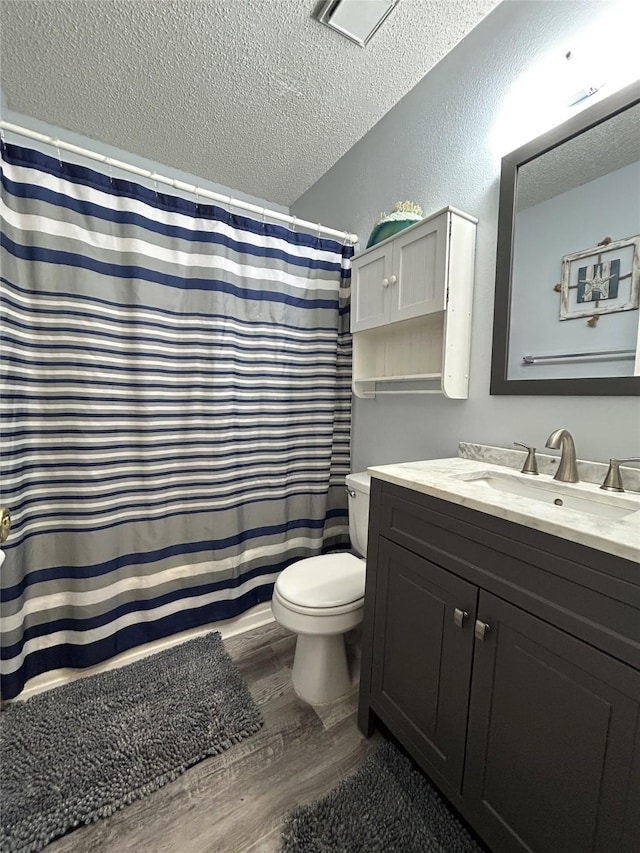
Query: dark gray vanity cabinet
[507,663]
[552,723]
[425,695]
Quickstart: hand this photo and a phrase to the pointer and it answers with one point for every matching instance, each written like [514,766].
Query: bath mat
[79,752]
[387,806]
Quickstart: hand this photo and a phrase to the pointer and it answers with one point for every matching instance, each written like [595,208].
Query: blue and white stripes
[175,415]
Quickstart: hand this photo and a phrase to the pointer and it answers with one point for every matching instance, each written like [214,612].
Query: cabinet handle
[480,630]
[385,282]
[459,616]
[392,279]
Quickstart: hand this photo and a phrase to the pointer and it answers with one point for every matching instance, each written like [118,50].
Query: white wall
[442,144]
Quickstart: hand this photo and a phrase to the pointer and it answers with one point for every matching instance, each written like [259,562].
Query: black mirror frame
[601,386]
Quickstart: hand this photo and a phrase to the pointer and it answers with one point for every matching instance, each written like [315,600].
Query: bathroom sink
[563,495]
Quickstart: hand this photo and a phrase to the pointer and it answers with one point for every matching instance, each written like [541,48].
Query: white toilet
[320,599]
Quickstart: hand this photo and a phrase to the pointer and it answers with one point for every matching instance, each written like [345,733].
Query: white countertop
[445,479]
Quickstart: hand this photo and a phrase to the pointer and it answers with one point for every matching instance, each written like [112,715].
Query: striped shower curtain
[175,412]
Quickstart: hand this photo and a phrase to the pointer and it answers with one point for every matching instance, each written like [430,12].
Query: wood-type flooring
[236,802]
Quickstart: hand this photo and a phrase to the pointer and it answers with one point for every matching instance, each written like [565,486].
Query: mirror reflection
[575,257]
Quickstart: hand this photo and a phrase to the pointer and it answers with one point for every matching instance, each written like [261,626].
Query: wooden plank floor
[236,802]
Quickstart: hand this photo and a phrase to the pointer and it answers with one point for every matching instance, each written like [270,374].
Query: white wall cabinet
[411,309]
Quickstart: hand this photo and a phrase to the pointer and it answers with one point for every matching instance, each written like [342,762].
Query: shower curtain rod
[179,185]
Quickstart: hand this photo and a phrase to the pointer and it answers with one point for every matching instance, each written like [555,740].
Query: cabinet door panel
[370,298]
[419,263]
[421,675]
[550,744]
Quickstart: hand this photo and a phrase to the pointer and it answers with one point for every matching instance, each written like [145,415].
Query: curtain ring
[110,168]
[3,141]
[197,192]
[154,177]
[264,215]
[56,142]
[319,226]
[293,224]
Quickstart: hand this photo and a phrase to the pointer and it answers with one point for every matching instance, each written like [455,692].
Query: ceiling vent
[356,20]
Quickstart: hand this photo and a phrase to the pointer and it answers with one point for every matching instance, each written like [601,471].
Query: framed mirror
[566,317]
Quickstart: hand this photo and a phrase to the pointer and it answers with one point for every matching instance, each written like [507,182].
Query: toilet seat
[331,582]
[318,612]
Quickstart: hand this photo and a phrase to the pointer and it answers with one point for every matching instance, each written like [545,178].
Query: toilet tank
[358,489]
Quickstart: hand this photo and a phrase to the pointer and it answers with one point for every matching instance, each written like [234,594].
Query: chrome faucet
[567,469]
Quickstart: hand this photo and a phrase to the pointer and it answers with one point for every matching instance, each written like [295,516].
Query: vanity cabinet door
[553,740]
[422,655]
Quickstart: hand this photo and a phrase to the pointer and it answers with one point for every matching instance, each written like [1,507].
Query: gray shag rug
[79,752]
[387,806]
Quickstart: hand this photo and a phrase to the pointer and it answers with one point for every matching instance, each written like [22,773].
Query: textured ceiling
[254,94]
[603,149]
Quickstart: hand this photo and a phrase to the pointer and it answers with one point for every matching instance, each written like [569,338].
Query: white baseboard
[253,618]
